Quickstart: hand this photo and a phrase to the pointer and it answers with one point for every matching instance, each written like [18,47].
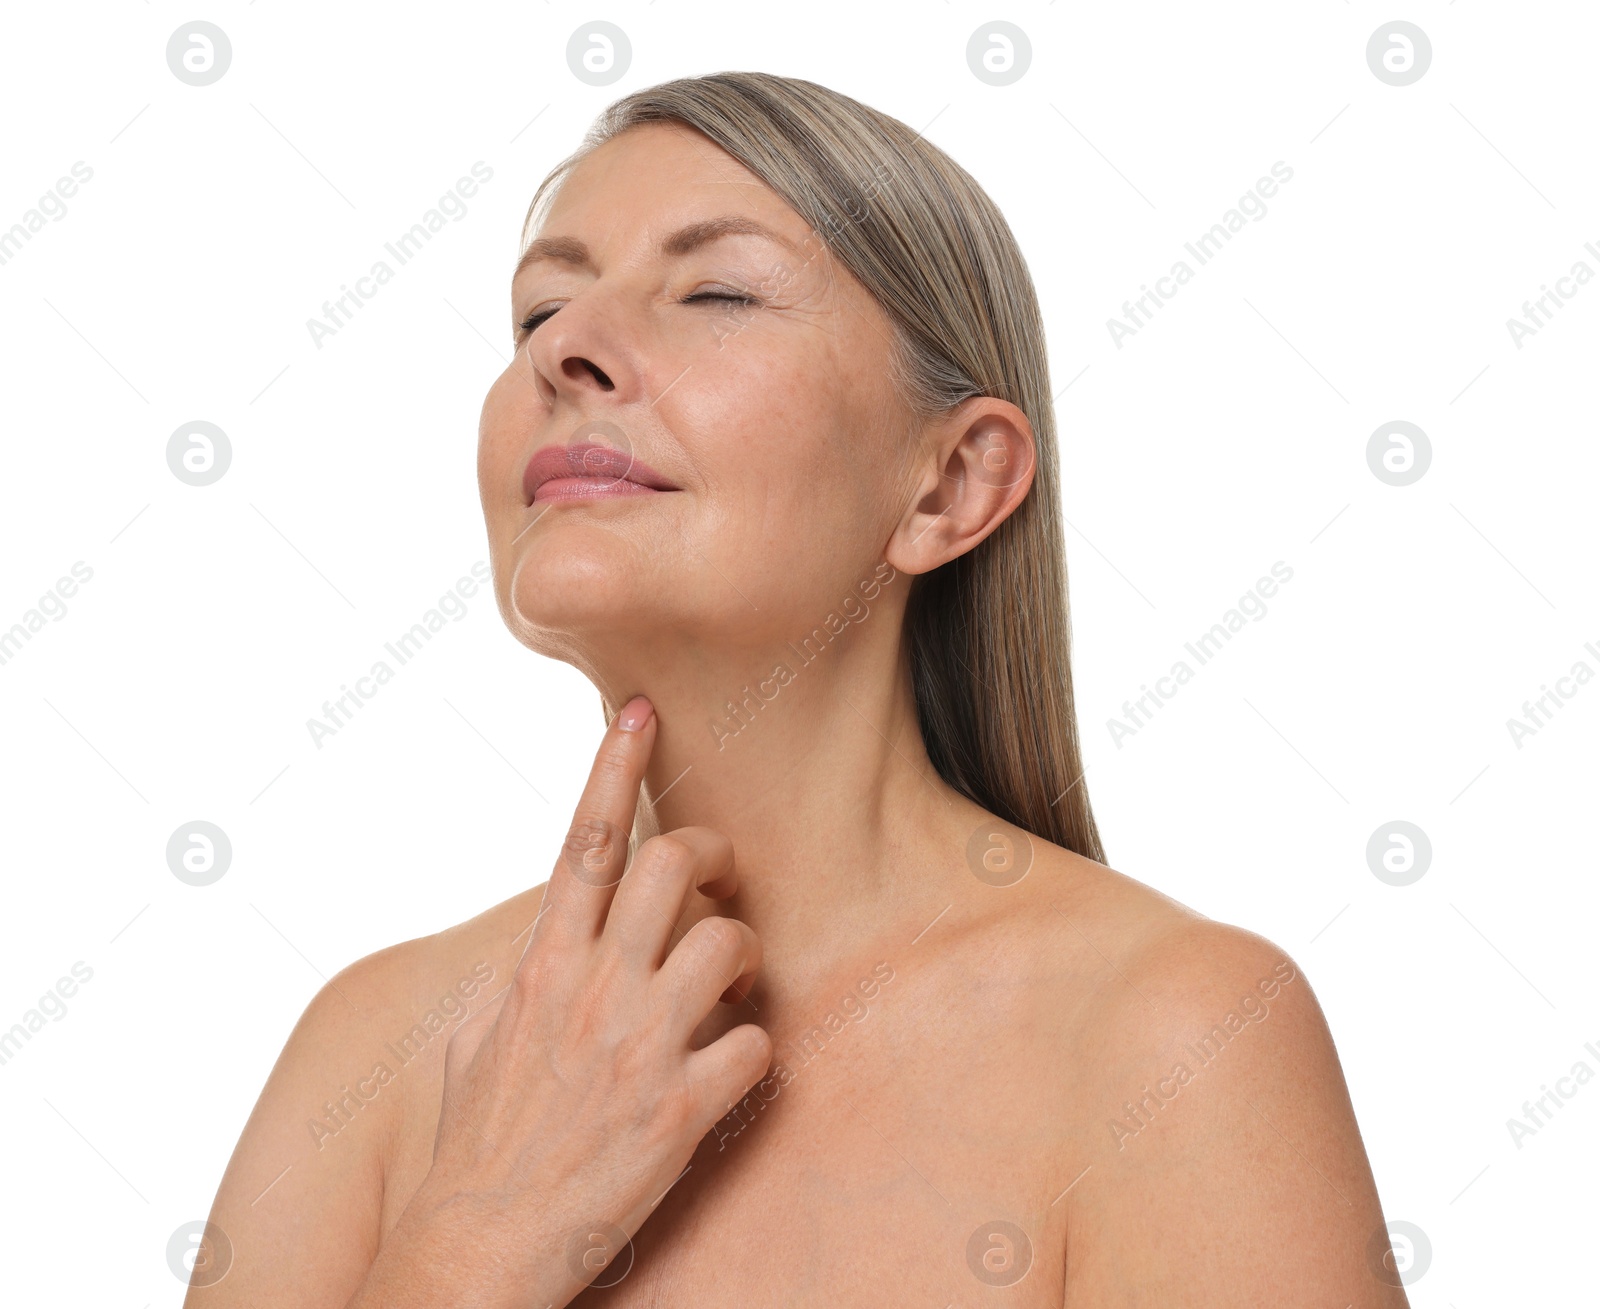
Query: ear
[978,465]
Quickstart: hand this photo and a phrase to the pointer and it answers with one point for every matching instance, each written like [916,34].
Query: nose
[580,353]
[580,369]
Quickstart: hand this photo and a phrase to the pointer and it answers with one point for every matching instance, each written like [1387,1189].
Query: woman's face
[746,370]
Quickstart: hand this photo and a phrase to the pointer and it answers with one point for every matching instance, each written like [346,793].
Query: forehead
[642,185]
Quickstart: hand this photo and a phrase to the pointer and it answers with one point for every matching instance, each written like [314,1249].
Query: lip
[588,471]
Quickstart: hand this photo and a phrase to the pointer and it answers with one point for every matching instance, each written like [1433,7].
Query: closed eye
[532,321]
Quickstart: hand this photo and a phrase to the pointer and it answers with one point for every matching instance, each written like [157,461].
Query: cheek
[773,405]
[768,463]
[795,444]
[501,426]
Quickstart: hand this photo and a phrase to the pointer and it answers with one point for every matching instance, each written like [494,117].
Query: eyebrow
[569,250]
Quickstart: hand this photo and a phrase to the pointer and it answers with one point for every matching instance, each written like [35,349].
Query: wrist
[465,1249]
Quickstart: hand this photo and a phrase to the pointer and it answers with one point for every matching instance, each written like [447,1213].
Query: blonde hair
[988,631]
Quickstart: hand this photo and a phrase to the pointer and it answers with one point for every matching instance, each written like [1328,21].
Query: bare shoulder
[1178,967]
[297,1215]
[1208,1115]
[1153,965]
[473,959]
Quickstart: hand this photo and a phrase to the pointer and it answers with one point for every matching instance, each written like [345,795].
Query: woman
[866,1020]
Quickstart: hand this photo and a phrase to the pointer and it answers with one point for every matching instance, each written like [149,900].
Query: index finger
[595,852]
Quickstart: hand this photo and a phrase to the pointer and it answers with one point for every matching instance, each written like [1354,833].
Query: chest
[837,1186]
[899,1153]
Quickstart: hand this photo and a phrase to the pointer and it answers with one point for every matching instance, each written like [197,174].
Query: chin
[578,577]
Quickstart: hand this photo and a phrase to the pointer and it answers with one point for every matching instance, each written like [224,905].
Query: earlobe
[982,469]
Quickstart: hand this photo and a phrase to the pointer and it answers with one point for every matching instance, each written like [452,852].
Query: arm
[299,1201]
[1230,1168]
[570,1101]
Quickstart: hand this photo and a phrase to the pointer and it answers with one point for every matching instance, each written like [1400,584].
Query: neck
[811,760]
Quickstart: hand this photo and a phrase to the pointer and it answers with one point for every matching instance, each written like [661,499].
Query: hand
[574,1100]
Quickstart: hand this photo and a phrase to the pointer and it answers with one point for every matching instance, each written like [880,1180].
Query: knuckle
[720,936]
[667,853]
[631,1059]
[590,846]
[759,1050]
[615,762]
[678,1107]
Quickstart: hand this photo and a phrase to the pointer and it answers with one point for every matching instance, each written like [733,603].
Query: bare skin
[941,1051]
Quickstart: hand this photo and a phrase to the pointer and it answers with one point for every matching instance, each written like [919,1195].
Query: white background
[1226,435]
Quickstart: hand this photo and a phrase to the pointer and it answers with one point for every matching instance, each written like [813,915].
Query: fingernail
[635,714]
